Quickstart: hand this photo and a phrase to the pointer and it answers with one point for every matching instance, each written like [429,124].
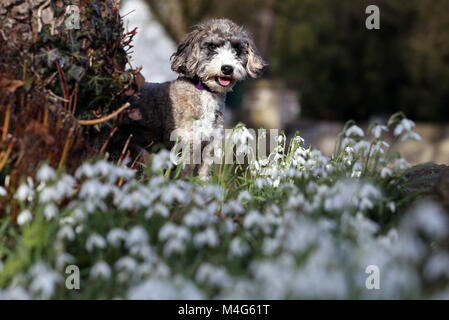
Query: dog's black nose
[227,69]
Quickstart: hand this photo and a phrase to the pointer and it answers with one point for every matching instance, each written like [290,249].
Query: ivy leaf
[97,83]
[49,57]
[75,72]
[73,44]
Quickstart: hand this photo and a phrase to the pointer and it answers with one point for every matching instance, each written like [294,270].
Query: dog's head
[219,53]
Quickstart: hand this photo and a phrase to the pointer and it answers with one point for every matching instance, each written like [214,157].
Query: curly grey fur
[164,107]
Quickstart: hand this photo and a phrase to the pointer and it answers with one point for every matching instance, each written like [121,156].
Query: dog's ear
[186,57]
[255,65]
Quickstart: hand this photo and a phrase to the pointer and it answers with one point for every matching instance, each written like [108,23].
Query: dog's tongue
[224,82]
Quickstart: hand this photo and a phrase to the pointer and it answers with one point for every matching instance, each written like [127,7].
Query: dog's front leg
[206,162]
[211,153]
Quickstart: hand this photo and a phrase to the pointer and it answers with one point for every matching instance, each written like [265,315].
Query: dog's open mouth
[223,81]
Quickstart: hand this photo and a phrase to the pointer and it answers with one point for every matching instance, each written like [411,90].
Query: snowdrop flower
[100,270]
[252,218]
[255,165]
[126,263]
[14,292]
[95,241]
[243,150]
[392,206]
[378,148]
[136,236]
[270,246]
[364,225]
[437,266]
[377,130]
[197,218]
[232,207]
[369,191]
[25,192]
[208,237]
[63,260]
[93,189]
[158,208]
[385,172]
[244,195]
[152,289]
[145,269]
[362,145]
[174,245]
[238,248]
[356,174]
[78,214]
[103,167]
[408,245]
[412,135]
[280,139]
[66,185]
[115,236]
[401,164]
[156,181]
[354,130]
[24,217]
[143,250]
[212,209]
[358,166]
[198,199]
[50,211]
[171,230]
[214,191]
[45,173]
[158,289]
[66,232]
[215,276]
[87,170]
[161,161]
[347,143]
[242,135]
[229,226]
[405,125]
[171,193]
[295,201]
[260,183]
[389,240]
[3,192]
[342,195]
[200,128]
[357,169]
[49,194]
[68,221]
[431,218]
[44,280]
[366,204]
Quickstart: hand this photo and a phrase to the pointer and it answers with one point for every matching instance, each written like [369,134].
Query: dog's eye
[212,46]
[238,48]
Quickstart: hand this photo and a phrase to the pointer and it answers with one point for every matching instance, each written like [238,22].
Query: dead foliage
[52,75]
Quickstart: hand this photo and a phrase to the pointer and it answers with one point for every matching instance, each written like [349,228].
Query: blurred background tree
[322,49]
